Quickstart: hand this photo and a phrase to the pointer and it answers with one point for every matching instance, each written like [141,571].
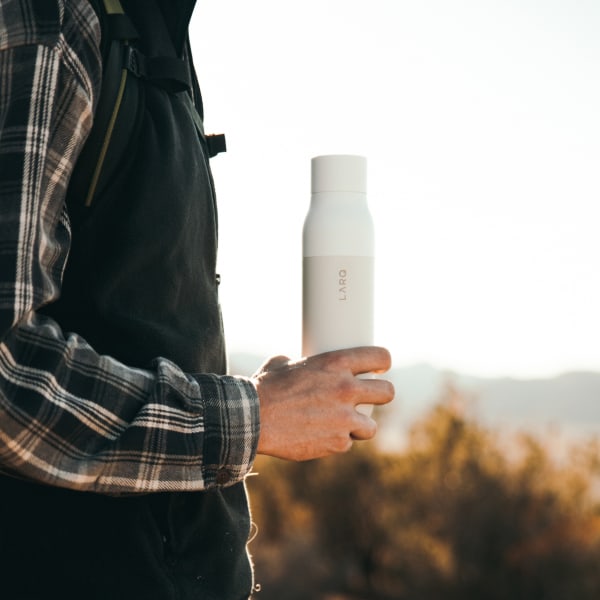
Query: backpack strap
[118,32]
[119,24]
[121,58]
[163,68]
[167,72]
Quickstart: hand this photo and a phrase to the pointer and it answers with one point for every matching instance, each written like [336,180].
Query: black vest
[140,283]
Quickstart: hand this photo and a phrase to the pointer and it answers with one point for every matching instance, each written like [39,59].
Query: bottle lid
[339,173]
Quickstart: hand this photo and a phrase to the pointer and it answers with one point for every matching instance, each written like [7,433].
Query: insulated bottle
[338,257]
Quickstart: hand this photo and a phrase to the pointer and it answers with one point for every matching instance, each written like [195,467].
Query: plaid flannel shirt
[68,416]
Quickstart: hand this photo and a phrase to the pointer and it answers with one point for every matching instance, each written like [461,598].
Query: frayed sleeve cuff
[231,428]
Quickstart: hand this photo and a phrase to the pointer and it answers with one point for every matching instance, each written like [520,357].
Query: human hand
[308,407]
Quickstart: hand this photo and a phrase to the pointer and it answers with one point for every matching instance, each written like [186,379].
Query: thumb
[273,363]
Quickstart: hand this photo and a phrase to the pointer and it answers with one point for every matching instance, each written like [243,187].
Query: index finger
[359,360]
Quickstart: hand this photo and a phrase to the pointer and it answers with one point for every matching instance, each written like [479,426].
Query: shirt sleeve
[70,417]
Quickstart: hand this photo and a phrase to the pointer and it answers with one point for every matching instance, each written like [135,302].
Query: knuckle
[347,387]
[329,360]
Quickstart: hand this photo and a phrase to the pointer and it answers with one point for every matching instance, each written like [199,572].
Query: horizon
[246,361]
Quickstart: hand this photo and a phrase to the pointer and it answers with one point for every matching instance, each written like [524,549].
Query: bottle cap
[339,173]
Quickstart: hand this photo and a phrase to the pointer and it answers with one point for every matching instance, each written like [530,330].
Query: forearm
[71,418]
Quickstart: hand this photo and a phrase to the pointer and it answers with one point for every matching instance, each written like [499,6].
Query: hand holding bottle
[308,407]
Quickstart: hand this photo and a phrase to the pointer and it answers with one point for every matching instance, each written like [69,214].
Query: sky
[480,121]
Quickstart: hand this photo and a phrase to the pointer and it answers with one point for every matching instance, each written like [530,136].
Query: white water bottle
[338,257]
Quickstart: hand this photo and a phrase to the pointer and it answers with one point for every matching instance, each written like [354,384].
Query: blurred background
[480,122]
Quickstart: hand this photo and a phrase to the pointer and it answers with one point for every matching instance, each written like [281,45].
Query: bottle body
[338,259]
[337,303]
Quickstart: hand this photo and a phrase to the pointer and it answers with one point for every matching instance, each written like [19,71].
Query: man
[123,444]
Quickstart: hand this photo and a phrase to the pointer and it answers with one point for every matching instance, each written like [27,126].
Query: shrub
[455,515]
